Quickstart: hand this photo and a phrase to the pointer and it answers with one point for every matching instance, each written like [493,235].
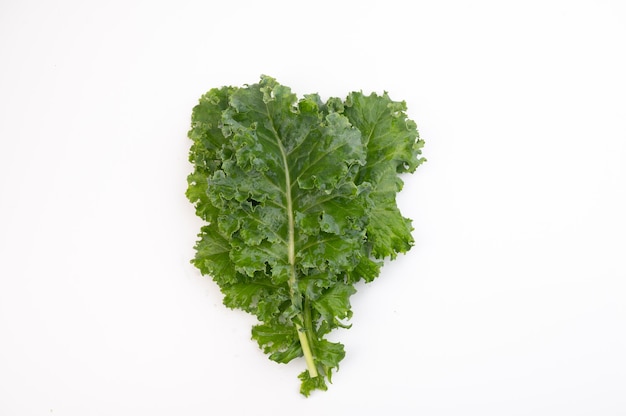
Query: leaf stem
[309,333]
[306,350]
[291,258]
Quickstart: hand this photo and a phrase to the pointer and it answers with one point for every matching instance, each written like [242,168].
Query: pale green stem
[291,256]
[306,350]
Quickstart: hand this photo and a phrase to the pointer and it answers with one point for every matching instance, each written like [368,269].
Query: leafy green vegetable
[299,199]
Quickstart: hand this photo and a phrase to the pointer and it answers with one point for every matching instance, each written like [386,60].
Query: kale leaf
[299,200]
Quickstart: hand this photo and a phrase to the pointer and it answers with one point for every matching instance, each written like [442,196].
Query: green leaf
[334,303]
[328,355]
[311,383]
[257,296]
[393,146]
[208,139]
[298,196]
[213,255]
[279,341]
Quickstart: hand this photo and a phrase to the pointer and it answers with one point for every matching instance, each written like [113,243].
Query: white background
[510,303]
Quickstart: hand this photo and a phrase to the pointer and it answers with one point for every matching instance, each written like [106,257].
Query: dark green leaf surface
[299,197]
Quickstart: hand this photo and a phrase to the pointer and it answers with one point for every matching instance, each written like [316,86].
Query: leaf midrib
[291,257]
[291,254]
